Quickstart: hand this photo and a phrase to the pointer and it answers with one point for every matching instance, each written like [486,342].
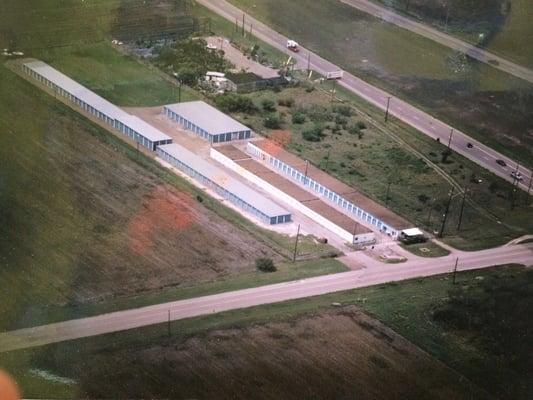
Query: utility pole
[445,215]
[296,244]
[308,62]
[515,184]
[242,24]
[333,89]
[168,325]
[450,139]
[462,208]
[387,111]
[455,269]
[251,28]
[387,195]
[305,175]
[429,213]
[327,160]
[179,93]
[528,199]
[236,25]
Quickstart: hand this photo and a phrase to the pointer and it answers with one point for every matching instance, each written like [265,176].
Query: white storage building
[207,122]
[223,184]
[62,85]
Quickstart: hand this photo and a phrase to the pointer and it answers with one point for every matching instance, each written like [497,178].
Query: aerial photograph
[266,199]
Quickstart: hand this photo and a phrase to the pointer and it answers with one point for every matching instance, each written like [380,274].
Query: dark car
[501,162]
[469,145]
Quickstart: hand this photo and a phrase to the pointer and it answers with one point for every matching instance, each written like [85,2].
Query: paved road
[374,273]
[442,38]
[481,154]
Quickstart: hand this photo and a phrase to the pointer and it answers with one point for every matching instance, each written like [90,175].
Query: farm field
[371,157]
[487,104]
[505,25]
[285,347]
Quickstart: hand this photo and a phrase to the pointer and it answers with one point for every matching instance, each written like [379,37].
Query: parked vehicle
[469,145]
[501,162]
[293,46]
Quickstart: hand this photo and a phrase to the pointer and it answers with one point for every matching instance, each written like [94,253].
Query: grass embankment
[479,298]
[248,279]
[486,103]
[351,141]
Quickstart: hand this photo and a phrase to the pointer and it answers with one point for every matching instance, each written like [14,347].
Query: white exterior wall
[326,223]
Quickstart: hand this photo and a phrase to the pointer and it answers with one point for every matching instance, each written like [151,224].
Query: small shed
[412,235]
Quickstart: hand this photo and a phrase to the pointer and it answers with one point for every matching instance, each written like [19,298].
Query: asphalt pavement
[478,153]
[373,273]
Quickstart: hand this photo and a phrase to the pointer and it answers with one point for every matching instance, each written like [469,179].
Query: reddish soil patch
[162,209]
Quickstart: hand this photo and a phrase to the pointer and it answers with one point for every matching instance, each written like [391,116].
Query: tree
[265,264]
[272,121]
[268,105]
[298,118]
[314,134]
[445,154]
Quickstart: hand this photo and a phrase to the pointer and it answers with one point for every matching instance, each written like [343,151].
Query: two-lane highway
[374,273]
[479,153]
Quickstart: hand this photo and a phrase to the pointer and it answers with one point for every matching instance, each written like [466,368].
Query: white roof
[76,89]
[144,128]
[232,185]
[214,73]
[412,232]
[207,117]
[99,103]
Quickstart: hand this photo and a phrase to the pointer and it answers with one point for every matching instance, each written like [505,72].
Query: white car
[517,175]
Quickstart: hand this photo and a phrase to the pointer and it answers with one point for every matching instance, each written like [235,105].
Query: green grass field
[427,249]
[486,103]
[412,318]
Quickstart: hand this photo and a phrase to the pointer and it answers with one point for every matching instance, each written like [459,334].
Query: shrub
[343,110]
[232,102]
[265,264]
[340,120]
[361,125]
[314,134]
[268,105]
[199,198]
[445,154]
[423,198]
[287,102]
[353,130]
[298,118]
[272,121]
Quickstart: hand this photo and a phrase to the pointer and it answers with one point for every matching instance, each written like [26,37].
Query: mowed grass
[412,317]
[427,249]
[474,97]
[396,154]
[119,78]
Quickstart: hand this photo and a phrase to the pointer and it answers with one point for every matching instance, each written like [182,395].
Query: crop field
[488,104]
[288,347]
[370,158]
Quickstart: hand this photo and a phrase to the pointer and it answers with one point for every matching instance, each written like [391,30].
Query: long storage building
[231,189]
[62,85]
[207,122]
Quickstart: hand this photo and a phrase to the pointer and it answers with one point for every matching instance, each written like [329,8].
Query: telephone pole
[242,24]
[462,208]
[450,139]
[296,244]
[168,325]
[528,199]
[455,269]
[387,111]
[387,195]
[308,62]
[445,215]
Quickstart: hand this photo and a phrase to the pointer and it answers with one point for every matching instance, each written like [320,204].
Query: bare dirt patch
[341,354]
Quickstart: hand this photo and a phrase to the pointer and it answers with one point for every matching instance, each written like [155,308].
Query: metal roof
[76,89]
[222,179]
[144,128]
[97,102]
[207,117]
